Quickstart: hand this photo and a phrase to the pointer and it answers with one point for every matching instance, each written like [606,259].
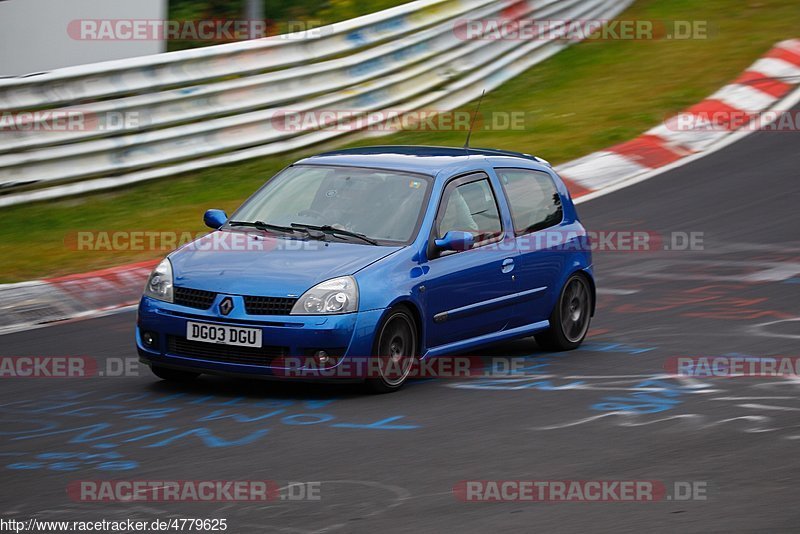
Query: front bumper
[288,340]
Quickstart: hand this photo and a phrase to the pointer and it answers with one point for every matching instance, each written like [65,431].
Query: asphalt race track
[390,463]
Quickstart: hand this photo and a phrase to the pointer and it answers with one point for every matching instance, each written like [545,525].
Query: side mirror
[455,240]
[215,218]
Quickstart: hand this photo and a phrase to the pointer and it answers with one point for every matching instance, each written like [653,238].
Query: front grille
[180,346]
[268,305]
[194,298]
[202,300]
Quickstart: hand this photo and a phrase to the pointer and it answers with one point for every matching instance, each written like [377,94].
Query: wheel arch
[592,286]
[584,272]
[416,314]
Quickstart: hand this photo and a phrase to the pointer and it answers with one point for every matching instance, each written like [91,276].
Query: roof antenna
[472,121]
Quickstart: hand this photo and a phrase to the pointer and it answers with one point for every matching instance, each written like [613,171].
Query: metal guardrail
[408,57]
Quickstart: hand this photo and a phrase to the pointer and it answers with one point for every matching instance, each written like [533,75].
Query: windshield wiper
[261,225]
[328,229]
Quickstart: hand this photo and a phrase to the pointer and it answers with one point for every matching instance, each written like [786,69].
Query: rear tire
[173,375]
[396,349]
[571,316]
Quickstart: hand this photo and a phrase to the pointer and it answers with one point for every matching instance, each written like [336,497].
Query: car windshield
[381,205]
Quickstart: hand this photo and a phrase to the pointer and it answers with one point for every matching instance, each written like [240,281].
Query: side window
[533,198]
[470,207]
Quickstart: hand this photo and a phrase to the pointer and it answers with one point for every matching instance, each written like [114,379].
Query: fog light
[321,357]
[148,339]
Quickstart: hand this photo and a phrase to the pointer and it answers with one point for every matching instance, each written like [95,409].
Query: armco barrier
[173,106]
[407,58]
[89,82]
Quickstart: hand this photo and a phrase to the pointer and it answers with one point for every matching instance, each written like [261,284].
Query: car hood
[250,263]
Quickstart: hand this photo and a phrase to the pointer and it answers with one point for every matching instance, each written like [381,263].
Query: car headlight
[338,295]
[159,285]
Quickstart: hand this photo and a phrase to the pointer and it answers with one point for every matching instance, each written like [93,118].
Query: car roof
[422,159]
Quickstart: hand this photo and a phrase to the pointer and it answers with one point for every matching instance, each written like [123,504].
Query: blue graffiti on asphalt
[383,424]
[507,375]
[615,347]
[516,377]
[137,419]
[662,398]
[74,461]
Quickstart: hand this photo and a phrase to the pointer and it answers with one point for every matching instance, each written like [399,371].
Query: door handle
[508,265]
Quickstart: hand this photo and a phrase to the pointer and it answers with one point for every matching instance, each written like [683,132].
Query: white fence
[221,104]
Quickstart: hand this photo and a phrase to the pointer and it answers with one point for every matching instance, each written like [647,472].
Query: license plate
[224,335]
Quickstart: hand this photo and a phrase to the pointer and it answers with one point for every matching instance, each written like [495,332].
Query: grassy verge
[586,98]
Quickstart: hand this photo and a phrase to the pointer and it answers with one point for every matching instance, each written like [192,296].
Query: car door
[537,215]
[467,292]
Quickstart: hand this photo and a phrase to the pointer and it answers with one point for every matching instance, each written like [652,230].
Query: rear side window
[533,198]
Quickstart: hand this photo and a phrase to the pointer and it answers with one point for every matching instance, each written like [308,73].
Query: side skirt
[486,339]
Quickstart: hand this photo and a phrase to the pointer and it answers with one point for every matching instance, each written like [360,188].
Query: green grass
[586,98]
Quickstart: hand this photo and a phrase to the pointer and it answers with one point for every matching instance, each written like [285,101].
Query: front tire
[571,316]
[395,348]
[173,375]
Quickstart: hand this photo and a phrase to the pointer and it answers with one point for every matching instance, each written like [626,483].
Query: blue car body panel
[278,270]
[462,300]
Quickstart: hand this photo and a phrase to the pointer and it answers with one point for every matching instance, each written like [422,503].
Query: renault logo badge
[226,306]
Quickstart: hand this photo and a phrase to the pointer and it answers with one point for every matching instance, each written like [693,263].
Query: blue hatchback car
[391,254]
